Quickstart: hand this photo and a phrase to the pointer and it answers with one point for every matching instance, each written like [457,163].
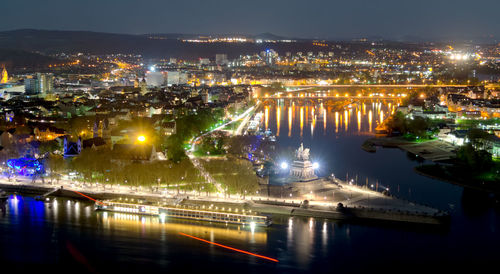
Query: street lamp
[141,138]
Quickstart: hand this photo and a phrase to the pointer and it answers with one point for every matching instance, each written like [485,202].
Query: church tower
[144,86]
[4,78]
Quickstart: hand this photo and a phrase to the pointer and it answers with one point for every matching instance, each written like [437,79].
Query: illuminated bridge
[343,97]
[375,86]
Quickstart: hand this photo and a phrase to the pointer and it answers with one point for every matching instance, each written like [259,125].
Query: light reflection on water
[171,225]
[337,146]
[340,113]
[37,232]
[80,219]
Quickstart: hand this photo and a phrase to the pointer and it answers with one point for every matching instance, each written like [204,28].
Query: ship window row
[216,216]
[194,214]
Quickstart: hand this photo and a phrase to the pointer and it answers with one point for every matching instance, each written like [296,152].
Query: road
[209,179]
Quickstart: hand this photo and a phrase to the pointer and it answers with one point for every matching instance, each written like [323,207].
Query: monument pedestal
[302,169]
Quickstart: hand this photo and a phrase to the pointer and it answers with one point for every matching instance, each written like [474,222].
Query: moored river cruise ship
[184,213]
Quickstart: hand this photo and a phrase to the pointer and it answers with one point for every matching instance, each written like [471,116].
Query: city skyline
[251,137]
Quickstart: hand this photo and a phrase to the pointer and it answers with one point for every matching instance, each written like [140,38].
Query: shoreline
[264,206]
[391,142]
[457,182]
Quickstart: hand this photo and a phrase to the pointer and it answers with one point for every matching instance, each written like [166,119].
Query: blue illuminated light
[26,166]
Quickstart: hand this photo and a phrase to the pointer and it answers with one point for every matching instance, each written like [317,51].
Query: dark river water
[67,235]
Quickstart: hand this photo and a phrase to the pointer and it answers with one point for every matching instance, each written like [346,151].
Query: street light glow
[284,165]
[315,165]
[141,138]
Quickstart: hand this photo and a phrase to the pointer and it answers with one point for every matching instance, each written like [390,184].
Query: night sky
[328,19]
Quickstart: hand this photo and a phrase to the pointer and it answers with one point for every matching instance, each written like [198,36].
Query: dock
[358,203]
[46,195]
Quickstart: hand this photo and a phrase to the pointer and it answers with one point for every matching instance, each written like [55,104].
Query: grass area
[199,153]
[235,174]
[416,139]
[474,123]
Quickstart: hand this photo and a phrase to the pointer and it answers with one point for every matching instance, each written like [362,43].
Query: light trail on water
[228,247]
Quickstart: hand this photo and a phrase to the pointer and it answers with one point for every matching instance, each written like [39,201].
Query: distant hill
[49,42]
[14,59]
[269,36]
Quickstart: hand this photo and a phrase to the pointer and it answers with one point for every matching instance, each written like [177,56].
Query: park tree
[55,164]
[477,160]
[398,122]
[236,175]
[79,126]
[49,147]
[93,165]
[418,126]
[477,137]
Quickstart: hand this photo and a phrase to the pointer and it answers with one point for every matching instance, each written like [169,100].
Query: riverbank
[400,214]
[457,177]
[432,150]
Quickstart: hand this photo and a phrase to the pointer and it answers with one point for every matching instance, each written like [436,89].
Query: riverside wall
[261,206]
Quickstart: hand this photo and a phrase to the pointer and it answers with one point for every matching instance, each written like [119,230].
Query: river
[68,235]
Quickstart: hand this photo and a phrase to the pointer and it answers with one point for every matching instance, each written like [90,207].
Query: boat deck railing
[195,214]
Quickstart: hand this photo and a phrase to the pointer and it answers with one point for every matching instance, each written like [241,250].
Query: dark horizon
[329,20]
[173,35]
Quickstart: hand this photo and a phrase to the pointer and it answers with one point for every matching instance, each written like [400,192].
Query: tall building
[155,78]
[205,96]
[221,59]
[176,78]
[269,56]
[42,83]
[4,78]
[204,61]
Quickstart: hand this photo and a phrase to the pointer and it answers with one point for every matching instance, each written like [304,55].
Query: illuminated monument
[302,169]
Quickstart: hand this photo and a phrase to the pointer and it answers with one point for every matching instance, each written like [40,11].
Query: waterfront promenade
[358,202]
